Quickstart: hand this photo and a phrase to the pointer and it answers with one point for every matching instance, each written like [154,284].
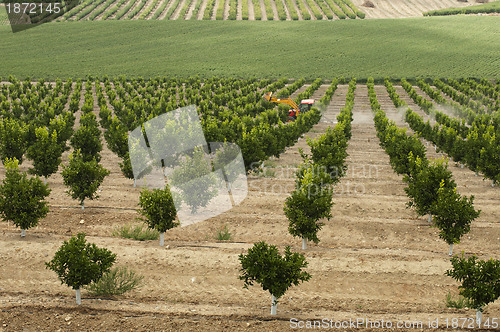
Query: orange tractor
[305,104]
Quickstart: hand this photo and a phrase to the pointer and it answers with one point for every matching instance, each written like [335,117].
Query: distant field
[265,10]
[492,7]
[430,47]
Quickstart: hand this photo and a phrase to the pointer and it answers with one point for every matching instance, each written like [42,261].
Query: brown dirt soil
[376,260]
[406,8]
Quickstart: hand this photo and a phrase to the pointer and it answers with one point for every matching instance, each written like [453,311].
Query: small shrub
[369,4]
[137,232]
[223,234]
[459,303]
[116,281]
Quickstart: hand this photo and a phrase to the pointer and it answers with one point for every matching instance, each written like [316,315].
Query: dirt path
[251,11]
[263,10]
[376,259]
[165,11]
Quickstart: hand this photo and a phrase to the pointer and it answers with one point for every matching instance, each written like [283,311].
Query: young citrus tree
[87,138]
[45,152]
[480,281]
[264,264]
[13,141]
[453,214]
[329,150]
[83,177]
[78,263]
[158,208]
[195,179]
[309,202]
[424,183]
[22,199]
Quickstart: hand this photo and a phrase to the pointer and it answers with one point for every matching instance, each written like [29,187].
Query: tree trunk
[162,238]
[274,305]
[45,180]
[23,232]
[461,165]
[134,183]
[451,250]
[477,173]
[492,183]
[83,207]
[78,296]
[430,218]
[479,316]
[304,243]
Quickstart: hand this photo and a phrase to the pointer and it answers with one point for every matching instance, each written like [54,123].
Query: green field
[465,46]
[492,7]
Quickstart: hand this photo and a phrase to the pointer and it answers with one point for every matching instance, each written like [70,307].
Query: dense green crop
[426,47]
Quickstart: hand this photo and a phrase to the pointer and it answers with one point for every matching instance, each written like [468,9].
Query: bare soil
[376,260]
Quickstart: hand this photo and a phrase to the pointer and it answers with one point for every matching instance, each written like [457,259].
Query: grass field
[426,47]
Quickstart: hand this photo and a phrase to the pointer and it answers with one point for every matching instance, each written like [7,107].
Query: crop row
[477,146]
[122,9]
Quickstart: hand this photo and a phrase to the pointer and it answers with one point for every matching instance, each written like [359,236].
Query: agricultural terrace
[429,85]
[376,258]
[263,10]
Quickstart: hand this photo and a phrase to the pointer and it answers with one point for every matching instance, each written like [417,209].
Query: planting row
[165,9]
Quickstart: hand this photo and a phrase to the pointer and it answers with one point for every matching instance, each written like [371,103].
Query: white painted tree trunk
[430,218]
[134,183]
[476,173]
[274,306]
[83,206]
[45,180]
[451,250]
[23,232]
[162,239]
[492,183]
[78,297]
[461,165]
[479,316]
[304,243]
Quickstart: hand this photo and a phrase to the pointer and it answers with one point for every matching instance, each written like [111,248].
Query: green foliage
[330,151]
[13,134]
[195,179]
[117,137]
[480,279]
[22,199]
[63,125]
[158,209]
[117,281]
[424,183]
[87,138]
[137,232]
[45,152]
[264,264]
[453,213]
[309,202]
[78,263]
[83,178]
[223,234]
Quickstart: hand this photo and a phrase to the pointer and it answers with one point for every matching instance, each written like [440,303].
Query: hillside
[427,47]
[289,10]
